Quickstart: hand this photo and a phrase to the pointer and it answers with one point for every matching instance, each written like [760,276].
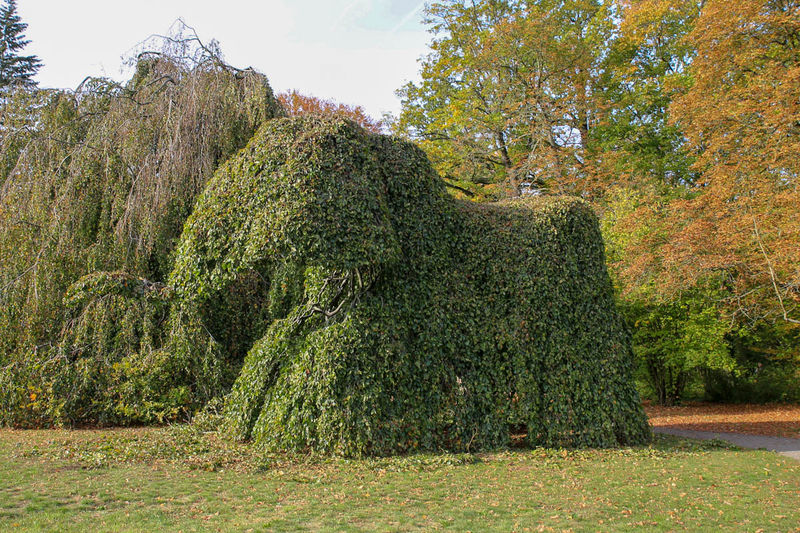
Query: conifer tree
[14,68]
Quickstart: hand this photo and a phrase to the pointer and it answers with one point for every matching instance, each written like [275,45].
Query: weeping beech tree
[101,179]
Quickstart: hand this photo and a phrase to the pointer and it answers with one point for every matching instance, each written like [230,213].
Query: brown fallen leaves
[773,420]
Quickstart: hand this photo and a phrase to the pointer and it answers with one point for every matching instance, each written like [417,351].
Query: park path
[782,445]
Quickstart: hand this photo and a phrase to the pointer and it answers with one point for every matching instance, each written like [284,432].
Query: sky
[357,52]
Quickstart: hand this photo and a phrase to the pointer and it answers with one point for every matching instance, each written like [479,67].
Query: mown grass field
[183,479]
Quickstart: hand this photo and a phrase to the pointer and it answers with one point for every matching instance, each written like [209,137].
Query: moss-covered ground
[183,479]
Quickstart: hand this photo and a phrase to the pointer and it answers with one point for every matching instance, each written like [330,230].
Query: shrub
[405,319]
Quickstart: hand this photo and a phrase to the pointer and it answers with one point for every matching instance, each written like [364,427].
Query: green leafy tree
[15,68]
[647,66]
[104,177]
[676,340]
[676,337]
[508,90]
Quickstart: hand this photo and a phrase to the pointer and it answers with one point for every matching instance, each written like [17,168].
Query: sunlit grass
[183,479]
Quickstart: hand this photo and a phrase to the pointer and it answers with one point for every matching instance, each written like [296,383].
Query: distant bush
[774,383]
[767,367]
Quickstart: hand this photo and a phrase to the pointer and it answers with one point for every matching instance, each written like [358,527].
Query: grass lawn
[182,479]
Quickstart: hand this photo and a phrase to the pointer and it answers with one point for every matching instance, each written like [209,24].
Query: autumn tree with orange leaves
[719,236]
[296,103]
[742,119]
[738,218]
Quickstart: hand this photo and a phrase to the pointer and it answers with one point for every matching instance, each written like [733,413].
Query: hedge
[398,318]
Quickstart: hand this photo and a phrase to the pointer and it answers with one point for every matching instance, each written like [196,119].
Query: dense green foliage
[372,312]
[674,339]
[101,180]
[767,367]
[397,317]
[322,279]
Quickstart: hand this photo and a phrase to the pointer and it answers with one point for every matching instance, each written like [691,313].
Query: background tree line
[678,121]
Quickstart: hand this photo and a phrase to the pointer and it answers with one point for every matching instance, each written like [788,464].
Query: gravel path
[784,446]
